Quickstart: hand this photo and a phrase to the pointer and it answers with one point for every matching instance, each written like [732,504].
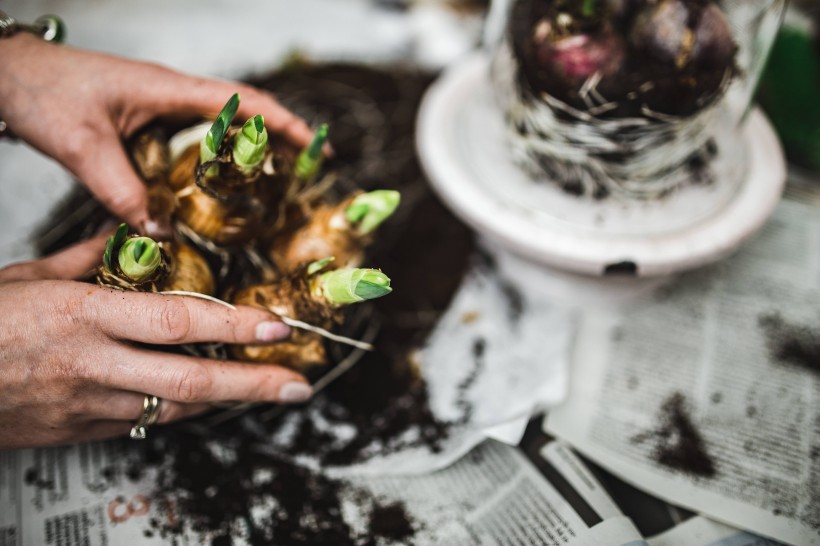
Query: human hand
[77,107]
[70,370]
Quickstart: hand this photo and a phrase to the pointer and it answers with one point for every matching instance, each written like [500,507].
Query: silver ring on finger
[149,416]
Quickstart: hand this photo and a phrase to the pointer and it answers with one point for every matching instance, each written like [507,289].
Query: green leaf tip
[310,159]
[139,258]
[373,284]
[113,245]
[259,123]
[369,210]
[213,140]
[353,285]
[226,116]
[139,249]
[318,265]
[250,144]
[314,149]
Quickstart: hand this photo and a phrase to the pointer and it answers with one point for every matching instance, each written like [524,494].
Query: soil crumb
[391,521]
[793,344]
[679,445]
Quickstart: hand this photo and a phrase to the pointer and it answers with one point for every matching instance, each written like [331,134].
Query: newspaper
[496,357]
[708,394]
[699,531]
[81,495]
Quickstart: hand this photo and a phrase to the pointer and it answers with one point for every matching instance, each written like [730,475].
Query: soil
[679,444]
[392,522]
[426,252]
[791,344]
[423,248]
[267,500]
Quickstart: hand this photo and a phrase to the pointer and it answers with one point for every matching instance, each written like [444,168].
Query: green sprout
[209,146]
[113,245]
[352,285]
[318,265]
[369,210]
[310,159]
[139,258]
[588,8]
[249,145]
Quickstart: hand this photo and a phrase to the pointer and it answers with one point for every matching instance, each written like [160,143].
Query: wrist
[18,55]
[15,35]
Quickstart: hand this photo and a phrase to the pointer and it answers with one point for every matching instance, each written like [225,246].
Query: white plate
[461,142]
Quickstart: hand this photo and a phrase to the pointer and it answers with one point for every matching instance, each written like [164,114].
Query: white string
[324,333]
[198,295]
[287,320]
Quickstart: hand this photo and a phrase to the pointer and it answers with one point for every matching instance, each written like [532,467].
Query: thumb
[75,262]
[109,175]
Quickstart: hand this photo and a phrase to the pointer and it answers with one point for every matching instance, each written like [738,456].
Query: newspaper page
[111,493]
[700,531]
[692,530]
[708,395]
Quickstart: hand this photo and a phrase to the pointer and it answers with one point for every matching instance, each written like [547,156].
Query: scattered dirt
[241,491]
[678,443]
[392,522]
[791,344]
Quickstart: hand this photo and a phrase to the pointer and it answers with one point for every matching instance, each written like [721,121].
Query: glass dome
[631,100]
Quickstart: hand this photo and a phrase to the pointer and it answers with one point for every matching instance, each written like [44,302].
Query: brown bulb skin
[574,59]
[182,268]
[188,270]
[558,52]
[326,233]
[290,297]
[235,219]
[688,50]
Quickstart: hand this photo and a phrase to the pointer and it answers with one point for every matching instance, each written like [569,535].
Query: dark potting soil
[423,248]
[391,522]
[678,443]
[266,500]
[382,401]
[426,252]
[791,344]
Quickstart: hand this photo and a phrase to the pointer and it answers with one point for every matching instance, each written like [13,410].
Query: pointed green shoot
[310,159]
[369,210]
[139,259]
[373,284]
[209,146]
[113,244]
[588,8]
[249,145]
[353,285]
[318,265]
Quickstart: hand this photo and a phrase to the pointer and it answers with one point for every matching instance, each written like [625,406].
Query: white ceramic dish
[461,142]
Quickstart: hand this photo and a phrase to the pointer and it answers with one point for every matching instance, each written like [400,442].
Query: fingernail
[328,150]
[272,331]
[157,229]
[295,392]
